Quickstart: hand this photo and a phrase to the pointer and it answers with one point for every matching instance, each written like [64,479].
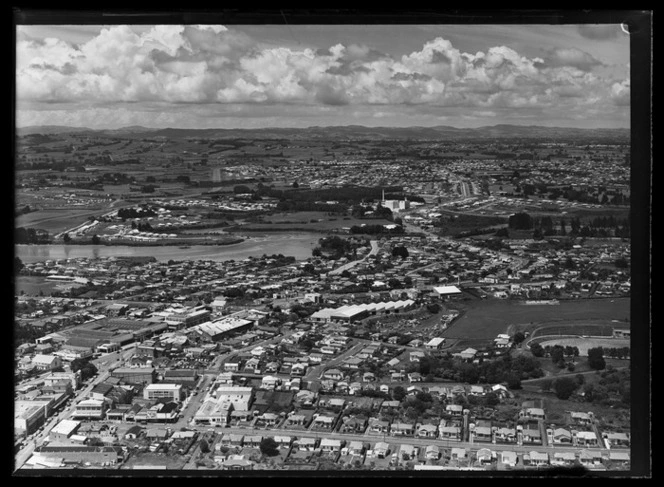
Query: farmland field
[486,319]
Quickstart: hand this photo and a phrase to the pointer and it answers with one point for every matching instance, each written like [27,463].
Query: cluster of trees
[558,353]
[564,387]
[506,369]
[335,247]
[125,213]
[31,236]
[601,227]
[613,387]
[87,368]
[400,251]
[520,221]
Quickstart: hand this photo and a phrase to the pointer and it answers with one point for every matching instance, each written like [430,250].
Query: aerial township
[461,313]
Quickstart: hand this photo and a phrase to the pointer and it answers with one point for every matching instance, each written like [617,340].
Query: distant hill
[357,132]
[50,129]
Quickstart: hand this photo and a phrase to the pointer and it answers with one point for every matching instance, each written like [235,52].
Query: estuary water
[298,245]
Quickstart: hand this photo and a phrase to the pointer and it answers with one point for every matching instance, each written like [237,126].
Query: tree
[269,447]
[596,358]
[95,239]
[400,251]
[433,308]
[295,184]
[564,387]
[88,369]
[18,264]
[557,354]
[66,238]
[205,446]
[520,221]
[537,350]
[398,393]
[519,337]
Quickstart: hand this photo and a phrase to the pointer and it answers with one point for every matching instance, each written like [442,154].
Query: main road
[374,250]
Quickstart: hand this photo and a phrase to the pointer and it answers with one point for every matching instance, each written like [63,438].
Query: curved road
[374,250]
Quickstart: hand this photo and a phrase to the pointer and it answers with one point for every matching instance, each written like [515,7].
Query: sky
[253,76]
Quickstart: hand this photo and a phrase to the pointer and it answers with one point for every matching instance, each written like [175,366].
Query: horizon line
[274,127]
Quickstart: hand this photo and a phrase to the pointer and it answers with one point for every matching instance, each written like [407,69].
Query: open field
[486,319]
[55,221]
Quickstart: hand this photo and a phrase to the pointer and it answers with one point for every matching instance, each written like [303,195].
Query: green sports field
[483,320]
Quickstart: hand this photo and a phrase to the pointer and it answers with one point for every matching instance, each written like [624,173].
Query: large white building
[240,397]
[172,392]
[90,409]
[46,362]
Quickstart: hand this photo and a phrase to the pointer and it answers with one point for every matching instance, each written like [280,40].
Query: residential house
[483,434]
[454,409]
[561,436]
[306,444]
[533,413]
[467,354]
[449,432]
[333,374]
[356,448]
[408,452]
[270,382]
[330,445]
[619,457]
[485,456]
[581,419]
[563,458]
[586,439]
[381,449]
[402,429]
[531,435]
[505,435]
[509,458]
[535,459]
[296,420]
[415,377]
[252,441]
[323,421]
[416,356]
[617,440]
[237,462]
[355,424]
[432,452]
[589,458]
[379,426]
[427,431]
[283,441]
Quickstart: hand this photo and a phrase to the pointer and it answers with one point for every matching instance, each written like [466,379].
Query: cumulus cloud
[570,57]
[208,64]
[620,93]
